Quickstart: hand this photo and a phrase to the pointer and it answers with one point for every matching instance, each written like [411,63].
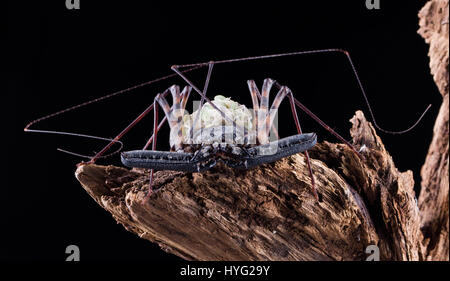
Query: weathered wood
[388,193]
[434,196]
[270,213]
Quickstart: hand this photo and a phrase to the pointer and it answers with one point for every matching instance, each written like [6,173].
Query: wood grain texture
[270,213]
[434,196]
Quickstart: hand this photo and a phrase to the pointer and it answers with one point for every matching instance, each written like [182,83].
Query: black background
[58,58]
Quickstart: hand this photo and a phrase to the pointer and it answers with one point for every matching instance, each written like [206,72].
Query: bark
[434,196]
[270,213]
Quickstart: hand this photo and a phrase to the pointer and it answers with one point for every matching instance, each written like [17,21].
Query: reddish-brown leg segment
[299,130]
[202,100]
[155,137]
[150,140]
[121,134]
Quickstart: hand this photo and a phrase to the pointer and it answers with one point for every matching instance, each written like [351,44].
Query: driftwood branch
[434,197]
[270,213]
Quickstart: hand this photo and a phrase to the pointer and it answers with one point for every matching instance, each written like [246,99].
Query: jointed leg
[155,136]
[175,114]
[274,108]
[180,73]
[266,117]
[202,100]
[321,123]
[121,134]
[263,117]
[263,112]
[256,99]
[256,96]
[150,140]
[194,66]
[299,130]
[185,97]
[333,50]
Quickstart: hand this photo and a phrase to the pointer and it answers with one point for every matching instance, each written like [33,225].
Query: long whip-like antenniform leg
[123,132]
[334,50]
[192,67]
[113,140]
